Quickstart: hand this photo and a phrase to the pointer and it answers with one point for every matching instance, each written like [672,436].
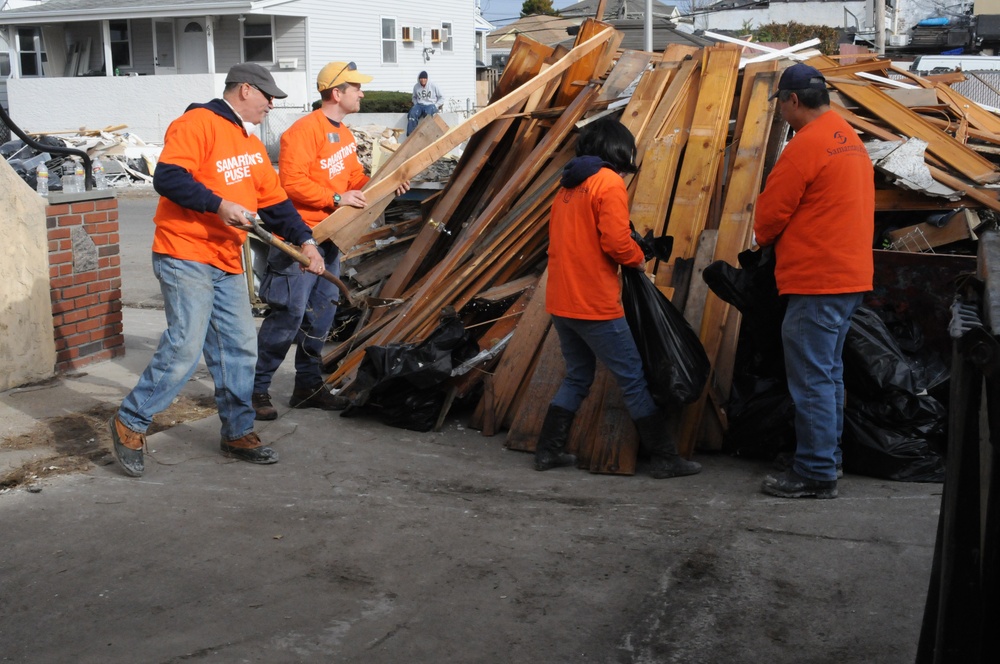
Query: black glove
[659,247]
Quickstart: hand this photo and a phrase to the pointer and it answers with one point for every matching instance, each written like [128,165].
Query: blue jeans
[208,311]
[583,342]
[416,112]
[302,309]
[813,334]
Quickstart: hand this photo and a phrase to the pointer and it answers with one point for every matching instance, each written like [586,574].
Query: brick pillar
[85,278]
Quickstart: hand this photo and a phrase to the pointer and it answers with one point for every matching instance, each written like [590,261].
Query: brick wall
[85,278]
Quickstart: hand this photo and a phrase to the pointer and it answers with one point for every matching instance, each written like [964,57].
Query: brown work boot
[249,448]
[127,447]
[317,397]
[262,407]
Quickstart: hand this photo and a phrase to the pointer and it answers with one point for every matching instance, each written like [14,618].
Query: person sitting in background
[427,100]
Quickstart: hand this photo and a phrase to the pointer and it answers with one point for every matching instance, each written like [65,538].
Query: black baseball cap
[800,77]
[257,76]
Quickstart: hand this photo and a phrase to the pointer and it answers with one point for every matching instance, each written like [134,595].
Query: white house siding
[341,31]
[830,14]
[290,39]
[227,43]
[147,104]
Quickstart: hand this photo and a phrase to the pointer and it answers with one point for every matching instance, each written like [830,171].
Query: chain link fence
[275,123]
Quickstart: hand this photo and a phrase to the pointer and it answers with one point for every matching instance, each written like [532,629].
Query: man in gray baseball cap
[258,77]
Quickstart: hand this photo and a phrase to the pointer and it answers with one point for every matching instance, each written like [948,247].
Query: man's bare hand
[354,198]
[403,188]
[233,214]
[316,264]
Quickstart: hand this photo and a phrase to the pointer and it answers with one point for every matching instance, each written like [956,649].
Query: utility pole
[648,18]
[880,26]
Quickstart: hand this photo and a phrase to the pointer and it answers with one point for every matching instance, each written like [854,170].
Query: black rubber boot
[552,439]
[663,450]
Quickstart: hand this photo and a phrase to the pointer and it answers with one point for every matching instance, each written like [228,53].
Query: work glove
[653,247]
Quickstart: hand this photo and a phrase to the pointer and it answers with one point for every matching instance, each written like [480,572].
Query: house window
[389,40]
[29,45]
[121,47]
[258,39]
[446,44]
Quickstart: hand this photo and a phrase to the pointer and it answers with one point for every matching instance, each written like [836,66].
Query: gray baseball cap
[257,76]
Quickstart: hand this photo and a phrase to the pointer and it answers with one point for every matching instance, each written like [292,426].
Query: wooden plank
[672,116]
[706,145]
[908,123]
[446,205]
[735,228]
[987,197]
[892,200]
[583,436]
[961,105]
[698,291]
[651,198]
[343,226]
[645,98]
[530,332]
[926,236]
[614,443]
[629,67]
[425,134]
[593,63]
[432,295]
[542,386]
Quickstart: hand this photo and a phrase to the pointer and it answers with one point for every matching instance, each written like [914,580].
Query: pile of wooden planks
[706,131]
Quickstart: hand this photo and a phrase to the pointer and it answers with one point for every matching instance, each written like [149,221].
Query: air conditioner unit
[436,34]
[407,33]
[288,63]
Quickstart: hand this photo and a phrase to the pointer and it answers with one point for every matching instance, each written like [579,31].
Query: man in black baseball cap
[258,77]
[800,77]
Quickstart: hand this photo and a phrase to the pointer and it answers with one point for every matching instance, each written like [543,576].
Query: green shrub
[381,101]
[386,101]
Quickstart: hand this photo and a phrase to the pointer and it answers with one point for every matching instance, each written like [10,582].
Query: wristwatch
[336,199]
[309,241]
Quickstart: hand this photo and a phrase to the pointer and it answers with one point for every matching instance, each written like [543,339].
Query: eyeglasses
[269,98]
[350,66]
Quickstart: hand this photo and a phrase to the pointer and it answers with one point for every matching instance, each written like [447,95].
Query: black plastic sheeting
[402,384]
[673,359]
[893,427]
[16,152]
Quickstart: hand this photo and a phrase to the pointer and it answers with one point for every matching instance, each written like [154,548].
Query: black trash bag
[401,384]
[892,426]
[753,291]
[761,417]
[673,359]
[902,452]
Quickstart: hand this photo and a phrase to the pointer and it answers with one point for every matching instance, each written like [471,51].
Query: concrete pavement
[373,544]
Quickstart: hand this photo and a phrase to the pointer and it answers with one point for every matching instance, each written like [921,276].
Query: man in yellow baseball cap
[335,74]
[321,172]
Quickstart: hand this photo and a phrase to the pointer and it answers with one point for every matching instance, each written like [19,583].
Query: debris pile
[706,131]
[126,158]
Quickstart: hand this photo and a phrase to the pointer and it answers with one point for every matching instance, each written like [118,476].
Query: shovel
[269,238]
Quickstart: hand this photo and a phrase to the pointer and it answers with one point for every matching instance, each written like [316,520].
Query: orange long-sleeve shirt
[319,158]
[589,237]
[222,156]
[818,209]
